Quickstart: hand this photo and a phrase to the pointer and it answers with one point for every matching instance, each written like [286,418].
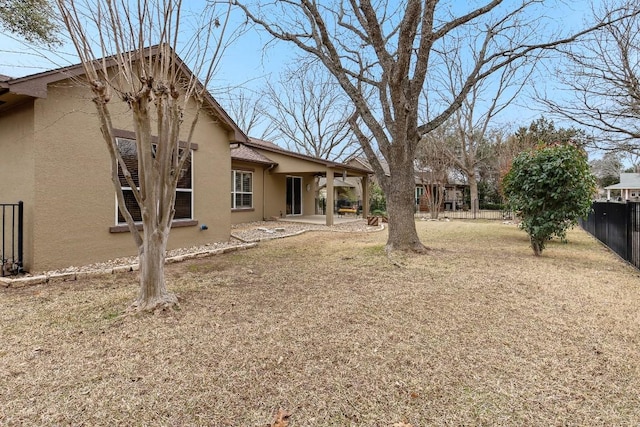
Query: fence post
[629,218]
[2,246]
[20,235]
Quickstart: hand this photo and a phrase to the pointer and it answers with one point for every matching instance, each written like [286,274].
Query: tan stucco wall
[292,165]
[74,196]
[256,214]
[276,199]
[17,168]
[275,182]
[273,188]
[308,196]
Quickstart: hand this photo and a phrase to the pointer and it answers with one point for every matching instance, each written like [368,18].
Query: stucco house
[629,187]
[270,182]
[54,160]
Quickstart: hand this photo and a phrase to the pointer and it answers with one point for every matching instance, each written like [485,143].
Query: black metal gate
[11,248]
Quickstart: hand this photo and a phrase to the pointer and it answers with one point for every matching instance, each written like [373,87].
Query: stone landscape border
[271,234]
[68,276]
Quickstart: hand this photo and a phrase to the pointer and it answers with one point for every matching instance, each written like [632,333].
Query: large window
[241,190]
[184,190]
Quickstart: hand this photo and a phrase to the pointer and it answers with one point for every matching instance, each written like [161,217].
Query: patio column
[330,202]
[608,195]
[364,181]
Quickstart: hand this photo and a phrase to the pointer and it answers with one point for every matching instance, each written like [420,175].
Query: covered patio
[283,185]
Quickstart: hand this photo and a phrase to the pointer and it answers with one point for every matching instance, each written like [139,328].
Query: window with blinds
[184,191]
[241,189]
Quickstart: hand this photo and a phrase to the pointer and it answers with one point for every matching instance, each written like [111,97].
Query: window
[241,190]
[419,194]
[184,190]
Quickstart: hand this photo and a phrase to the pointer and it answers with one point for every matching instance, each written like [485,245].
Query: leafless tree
[250,112]
[383,53]
[478,110]
[433,167]
[311,113]
[601,80]
[113,39]
[607,169]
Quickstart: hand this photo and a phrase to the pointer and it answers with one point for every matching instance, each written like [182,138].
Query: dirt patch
[476,332]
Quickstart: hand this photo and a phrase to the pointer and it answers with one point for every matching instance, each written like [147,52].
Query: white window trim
[234,192]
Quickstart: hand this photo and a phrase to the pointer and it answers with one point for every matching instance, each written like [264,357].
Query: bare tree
[602,80]
[160,93]
[607,169]
[311,114]
[381,54]
[250,112]
[433,168]
[478,110]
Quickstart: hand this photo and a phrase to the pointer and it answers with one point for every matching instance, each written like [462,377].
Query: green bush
[491,206]
[550,187]
[377,202]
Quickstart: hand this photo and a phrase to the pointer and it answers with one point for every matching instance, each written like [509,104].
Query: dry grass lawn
[477,332]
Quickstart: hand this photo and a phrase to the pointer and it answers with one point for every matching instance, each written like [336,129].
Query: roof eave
[35,85]
[324,162]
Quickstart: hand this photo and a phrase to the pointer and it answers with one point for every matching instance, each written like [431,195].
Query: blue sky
[247,65]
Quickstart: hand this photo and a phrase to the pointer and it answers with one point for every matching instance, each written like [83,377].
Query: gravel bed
[266,230]
[241,234]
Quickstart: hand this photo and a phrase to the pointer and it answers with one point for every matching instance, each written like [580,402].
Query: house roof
[365,163]
[269,146]
[452,177]
[337,182]
[14,91]
[627,181]
[247,154]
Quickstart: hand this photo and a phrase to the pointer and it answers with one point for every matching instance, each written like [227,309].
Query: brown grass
[324,326]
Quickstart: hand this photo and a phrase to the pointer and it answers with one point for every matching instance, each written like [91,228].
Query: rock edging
[70,276]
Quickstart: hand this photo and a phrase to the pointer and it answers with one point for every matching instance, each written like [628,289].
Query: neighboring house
[344,194]
[629,187]
[270,182]
[54,159]
[453,192]
[454,189]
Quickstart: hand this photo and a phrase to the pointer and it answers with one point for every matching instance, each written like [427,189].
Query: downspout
[264,199]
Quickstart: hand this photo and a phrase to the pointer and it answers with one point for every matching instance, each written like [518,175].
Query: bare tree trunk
[473,190]
[434,208]
[153,290]
[432,201]
[535,245]
[440,201]
[400,199]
